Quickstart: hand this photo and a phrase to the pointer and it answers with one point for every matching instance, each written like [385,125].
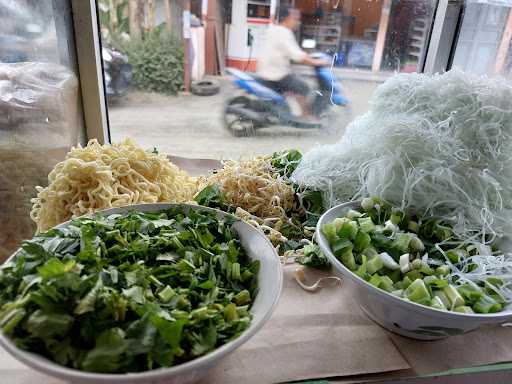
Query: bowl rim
[45,365]
[325,247]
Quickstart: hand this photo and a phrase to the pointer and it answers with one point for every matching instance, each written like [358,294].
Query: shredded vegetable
[439,144]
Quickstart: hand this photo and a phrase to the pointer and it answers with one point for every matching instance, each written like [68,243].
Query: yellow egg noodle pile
[103,176]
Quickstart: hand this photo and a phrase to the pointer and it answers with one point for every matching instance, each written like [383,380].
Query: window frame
[90,70]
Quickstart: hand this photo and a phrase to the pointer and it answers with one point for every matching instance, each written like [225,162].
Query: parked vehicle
[117,71]
[260,106]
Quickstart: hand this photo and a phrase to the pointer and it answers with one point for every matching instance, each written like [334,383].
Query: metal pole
[168,15]
[87,41]
[204,9]
[211,66]
[381,35]
[443,36]
[186,44]
[273,9]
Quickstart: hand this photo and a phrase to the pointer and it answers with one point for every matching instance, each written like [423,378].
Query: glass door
[485,36]
[40,117]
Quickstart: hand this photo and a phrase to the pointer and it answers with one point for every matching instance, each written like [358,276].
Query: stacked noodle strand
[104,176]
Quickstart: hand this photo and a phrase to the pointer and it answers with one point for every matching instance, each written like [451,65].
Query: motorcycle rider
[278,50]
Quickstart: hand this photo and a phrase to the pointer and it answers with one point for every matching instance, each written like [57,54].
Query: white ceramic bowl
[270,281]
[399,316]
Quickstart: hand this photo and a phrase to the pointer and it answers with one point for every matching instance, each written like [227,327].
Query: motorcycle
[261,106]
[118,73]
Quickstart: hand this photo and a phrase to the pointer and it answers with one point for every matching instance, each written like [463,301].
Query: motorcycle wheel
[238,126]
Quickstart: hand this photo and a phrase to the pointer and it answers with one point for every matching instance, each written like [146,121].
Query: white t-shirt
[278,49]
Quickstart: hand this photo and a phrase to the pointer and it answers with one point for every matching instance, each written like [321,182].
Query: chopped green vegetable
[362,270]
[454,296]
[243,297]
[417,292]
[370,252]
[463,309]
[455,255]
[442,270]
[347,258]
[286,162]
[375,280]
[340,246]
[413,226]
[386,283]
[313,257]
[414,274]
[366,224]
[443,298]
[410,257]
[367,204]
[362,241]
[487,304]
[348,230]
[470,293]
[166,294]
[437,303]
[435,282]
[388,261]
[406,282]
[405,265]
[416,264]
[353,214]
[416,245]
[129,293]
[339,221]
[375,264]
[402,241]
[426,269]
[329,231]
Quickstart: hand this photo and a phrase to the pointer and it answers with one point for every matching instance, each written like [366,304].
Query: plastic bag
[39,122]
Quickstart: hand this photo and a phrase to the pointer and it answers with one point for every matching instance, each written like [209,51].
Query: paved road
[191,126]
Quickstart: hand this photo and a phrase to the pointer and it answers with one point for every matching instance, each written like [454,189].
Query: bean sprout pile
[441,145]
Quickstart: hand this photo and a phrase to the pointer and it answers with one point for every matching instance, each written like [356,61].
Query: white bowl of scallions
[402,269]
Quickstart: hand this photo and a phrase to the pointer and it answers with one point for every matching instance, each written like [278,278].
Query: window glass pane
[484,41]
[233,114]
[39,118]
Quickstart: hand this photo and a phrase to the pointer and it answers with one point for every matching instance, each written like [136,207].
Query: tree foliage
[157,61]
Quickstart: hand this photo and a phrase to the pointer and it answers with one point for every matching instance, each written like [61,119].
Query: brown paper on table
[488,345]
[311,335]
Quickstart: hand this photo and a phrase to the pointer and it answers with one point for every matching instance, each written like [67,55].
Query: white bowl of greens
[142,294]
[406,271]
